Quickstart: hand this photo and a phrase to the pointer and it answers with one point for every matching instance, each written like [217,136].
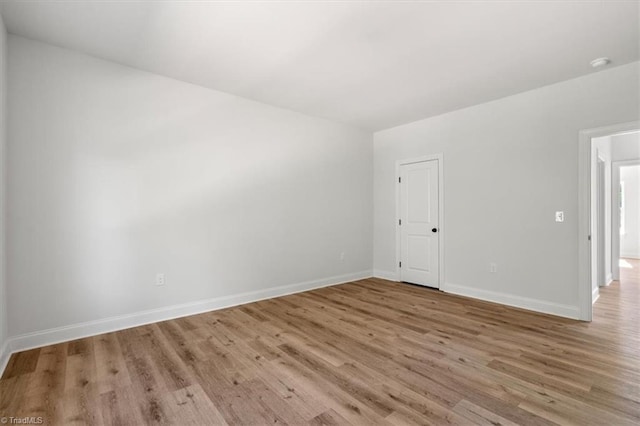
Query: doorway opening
[626,221]
[602,153]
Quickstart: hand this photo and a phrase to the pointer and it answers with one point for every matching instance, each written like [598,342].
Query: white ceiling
[370,64]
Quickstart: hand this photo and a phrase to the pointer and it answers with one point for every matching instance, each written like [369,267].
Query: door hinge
[400,265]
[400,222]
[589,237]
[399,180]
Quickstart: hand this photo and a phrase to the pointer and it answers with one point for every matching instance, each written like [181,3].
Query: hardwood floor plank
[111,370]
[328,418]
[118,407]
[13,392]
[192,406]
[172,370]
[479,415]
[22,363]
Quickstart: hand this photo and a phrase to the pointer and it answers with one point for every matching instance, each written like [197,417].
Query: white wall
[117,174]
[630,241]
[508,166]
[601,148]
[3,171]
[626,147]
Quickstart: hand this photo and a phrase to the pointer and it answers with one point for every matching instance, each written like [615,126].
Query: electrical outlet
[559,216]
[342,257]
[493,268]
[159,279]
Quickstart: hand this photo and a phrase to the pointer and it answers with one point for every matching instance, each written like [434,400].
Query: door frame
[439,157]
[601,224]
[585,305]
[615,214]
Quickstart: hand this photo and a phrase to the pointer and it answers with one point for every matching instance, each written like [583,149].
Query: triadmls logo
[21,420]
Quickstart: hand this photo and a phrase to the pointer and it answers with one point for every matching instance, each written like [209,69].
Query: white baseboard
[536,305]
[608,279]
[385,275]
[5,354]
[595,294]
[630,255]
[107,325]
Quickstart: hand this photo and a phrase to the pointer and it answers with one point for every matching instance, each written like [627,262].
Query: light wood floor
[368,352]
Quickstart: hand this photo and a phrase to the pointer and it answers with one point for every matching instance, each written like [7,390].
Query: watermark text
[28,420]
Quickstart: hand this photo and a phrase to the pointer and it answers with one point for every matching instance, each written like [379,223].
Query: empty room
[319,212]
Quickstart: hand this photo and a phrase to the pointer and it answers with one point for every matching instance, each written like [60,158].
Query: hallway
[616,313]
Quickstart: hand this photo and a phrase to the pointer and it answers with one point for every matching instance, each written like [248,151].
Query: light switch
[559,216]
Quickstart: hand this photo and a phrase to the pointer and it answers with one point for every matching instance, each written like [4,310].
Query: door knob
[434,230]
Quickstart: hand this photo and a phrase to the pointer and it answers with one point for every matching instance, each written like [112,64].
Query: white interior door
[419,224]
